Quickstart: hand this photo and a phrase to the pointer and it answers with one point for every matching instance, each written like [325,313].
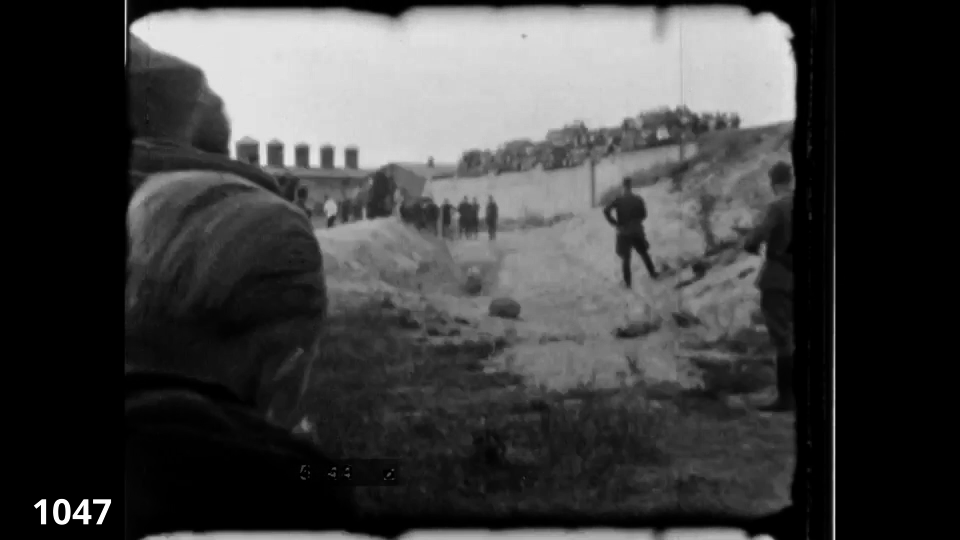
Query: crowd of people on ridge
[575,143]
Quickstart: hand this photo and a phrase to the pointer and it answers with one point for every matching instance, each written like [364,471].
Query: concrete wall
[554,192]
[547,193]
[610,171]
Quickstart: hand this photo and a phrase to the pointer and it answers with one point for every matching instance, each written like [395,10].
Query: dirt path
[570,308]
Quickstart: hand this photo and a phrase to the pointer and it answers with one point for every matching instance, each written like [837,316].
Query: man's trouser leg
[623,248]
[777,308]
[492,230]
[331,221]
[643,248]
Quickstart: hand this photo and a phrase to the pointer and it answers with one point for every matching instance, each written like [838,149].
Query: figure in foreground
[224,301]
[631,212]
[775,280]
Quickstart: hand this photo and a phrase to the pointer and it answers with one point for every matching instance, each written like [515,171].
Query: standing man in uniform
[346,210]
[492,214]
[775,280]
[463,209]
[330,210]
[631,212]
[432,215]
[446,217]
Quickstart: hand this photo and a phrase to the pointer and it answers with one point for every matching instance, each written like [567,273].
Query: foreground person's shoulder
[196,460]
[152,156]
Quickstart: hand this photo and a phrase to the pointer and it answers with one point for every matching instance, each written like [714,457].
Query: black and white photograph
[463,262]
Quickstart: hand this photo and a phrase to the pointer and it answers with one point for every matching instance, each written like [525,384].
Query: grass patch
[475,442]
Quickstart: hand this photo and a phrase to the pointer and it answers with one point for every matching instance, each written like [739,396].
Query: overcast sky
[439,82]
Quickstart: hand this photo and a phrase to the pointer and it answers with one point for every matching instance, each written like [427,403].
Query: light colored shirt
[330,208]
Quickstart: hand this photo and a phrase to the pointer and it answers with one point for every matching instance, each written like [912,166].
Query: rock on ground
[474,284]
[506,308]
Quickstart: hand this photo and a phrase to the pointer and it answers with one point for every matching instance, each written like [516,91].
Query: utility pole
[682,99]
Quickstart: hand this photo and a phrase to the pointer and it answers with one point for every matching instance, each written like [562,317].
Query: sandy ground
[570,307]
[567,279]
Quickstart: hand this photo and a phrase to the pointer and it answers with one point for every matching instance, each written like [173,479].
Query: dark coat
[200,459]
[493,213]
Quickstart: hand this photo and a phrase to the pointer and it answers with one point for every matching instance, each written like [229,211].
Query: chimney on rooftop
[301,155]
[350,155]
[275,153]
[248,150]
[326,157]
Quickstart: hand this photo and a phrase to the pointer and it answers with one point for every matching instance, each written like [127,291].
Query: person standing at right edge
[631,212]
[775,281]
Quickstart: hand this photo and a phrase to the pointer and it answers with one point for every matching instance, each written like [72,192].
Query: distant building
[335,183]
[412,178]
[327,180]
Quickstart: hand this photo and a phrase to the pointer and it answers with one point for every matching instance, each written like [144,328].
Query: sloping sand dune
[387,251]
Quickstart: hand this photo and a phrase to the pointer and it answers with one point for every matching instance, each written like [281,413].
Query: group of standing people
[627,213]
[449,221]
[468,218]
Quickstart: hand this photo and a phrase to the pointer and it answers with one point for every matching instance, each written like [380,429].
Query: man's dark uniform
[346,210]
[446,215]
[197,458]
[380,196]
[414,213]
[432,215]
[631,212]
[492,214]
[775,282]
[357,210]
[464,219]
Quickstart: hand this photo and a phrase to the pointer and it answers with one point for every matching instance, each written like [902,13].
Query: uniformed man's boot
[786,401]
